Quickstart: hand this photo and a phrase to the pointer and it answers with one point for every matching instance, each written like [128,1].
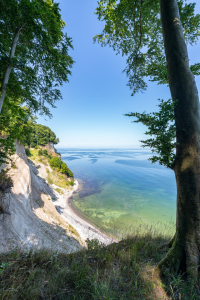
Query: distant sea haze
[121,189]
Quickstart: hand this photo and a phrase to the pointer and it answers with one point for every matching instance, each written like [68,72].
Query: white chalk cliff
[28,217]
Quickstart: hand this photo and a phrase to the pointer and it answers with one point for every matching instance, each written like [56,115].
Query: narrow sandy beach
[85,230]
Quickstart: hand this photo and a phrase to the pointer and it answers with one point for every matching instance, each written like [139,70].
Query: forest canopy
[41,135]
[34,64]
[34,53]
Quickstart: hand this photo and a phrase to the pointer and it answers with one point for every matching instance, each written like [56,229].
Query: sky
[96,96]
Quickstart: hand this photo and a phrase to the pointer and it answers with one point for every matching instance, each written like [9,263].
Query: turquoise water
[121,189]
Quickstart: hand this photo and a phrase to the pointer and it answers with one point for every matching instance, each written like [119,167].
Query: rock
[29,210]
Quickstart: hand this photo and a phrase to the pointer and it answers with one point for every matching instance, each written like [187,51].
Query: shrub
[55,162]
[70,182]
[40,152]
[36,147]
[69,173]
[13,165]
[33,144]
[45,152]
[28,152]
[64,168]
[50,181]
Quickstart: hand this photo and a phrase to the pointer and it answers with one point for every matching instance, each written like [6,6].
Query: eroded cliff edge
[28,218]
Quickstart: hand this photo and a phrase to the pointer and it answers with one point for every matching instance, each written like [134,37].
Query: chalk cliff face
[28,218]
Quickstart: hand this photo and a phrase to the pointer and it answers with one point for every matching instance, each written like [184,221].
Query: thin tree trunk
[9,68]
[184,254]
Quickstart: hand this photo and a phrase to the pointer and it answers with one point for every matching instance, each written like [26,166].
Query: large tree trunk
[184,254]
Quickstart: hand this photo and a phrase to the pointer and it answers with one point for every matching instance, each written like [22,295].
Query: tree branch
[140,34]
[9,68]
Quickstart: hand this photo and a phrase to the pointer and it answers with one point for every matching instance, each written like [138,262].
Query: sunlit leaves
[133,28]
[162,129]
[41,62]
[15,123]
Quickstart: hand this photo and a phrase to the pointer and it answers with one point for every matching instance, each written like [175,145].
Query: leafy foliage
[57,163]
[40,152]
[15,123]
[41,135]
[161,125]
[28,152]
[41,62]
[133,28]
[45,152]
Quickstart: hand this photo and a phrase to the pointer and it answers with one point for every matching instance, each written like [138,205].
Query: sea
[121,190]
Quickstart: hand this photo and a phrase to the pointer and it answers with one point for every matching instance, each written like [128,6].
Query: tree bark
[9,68]
[184,254]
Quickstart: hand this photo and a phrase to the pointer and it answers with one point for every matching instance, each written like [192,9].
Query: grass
[121,270]
[57,179]
[61,192]
[70,183]
[73,230]
[34,153]
[53,177]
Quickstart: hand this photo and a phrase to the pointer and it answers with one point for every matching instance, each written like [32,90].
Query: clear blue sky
[96,97]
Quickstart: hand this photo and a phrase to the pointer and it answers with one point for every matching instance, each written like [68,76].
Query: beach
[85,229]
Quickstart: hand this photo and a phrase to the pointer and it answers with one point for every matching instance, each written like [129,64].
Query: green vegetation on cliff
[41,135]
[34,62]
[59,173]
[59,165]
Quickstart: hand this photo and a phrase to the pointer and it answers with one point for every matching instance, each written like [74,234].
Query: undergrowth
[121,270]
[53,177]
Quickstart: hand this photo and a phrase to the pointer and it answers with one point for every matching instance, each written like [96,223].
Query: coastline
[84,228]
[87,221]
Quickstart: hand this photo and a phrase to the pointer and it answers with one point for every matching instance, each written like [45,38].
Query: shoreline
[83,227]
[84,219]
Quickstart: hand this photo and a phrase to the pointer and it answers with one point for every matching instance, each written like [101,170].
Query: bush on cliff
[40,152]
[45,153]
[28,152]
[57,163]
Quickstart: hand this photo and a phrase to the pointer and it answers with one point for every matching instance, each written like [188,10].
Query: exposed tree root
[183,257]
[172,261]
[172,240]
[168,244]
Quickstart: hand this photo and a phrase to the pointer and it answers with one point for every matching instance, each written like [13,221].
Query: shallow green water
[122,189]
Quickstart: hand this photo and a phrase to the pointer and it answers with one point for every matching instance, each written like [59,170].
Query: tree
[133,27]
[162,129]
[40,152]
[34,53]
[15,123]
[41,135]
[55,162]
[65,170]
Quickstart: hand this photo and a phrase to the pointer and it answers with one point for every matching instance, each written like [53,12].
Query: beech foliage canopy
[133,28]
[34,53]
[41,135]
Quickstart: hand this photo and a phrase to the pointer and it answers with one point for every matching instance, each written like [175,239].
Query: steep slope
[28,217]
